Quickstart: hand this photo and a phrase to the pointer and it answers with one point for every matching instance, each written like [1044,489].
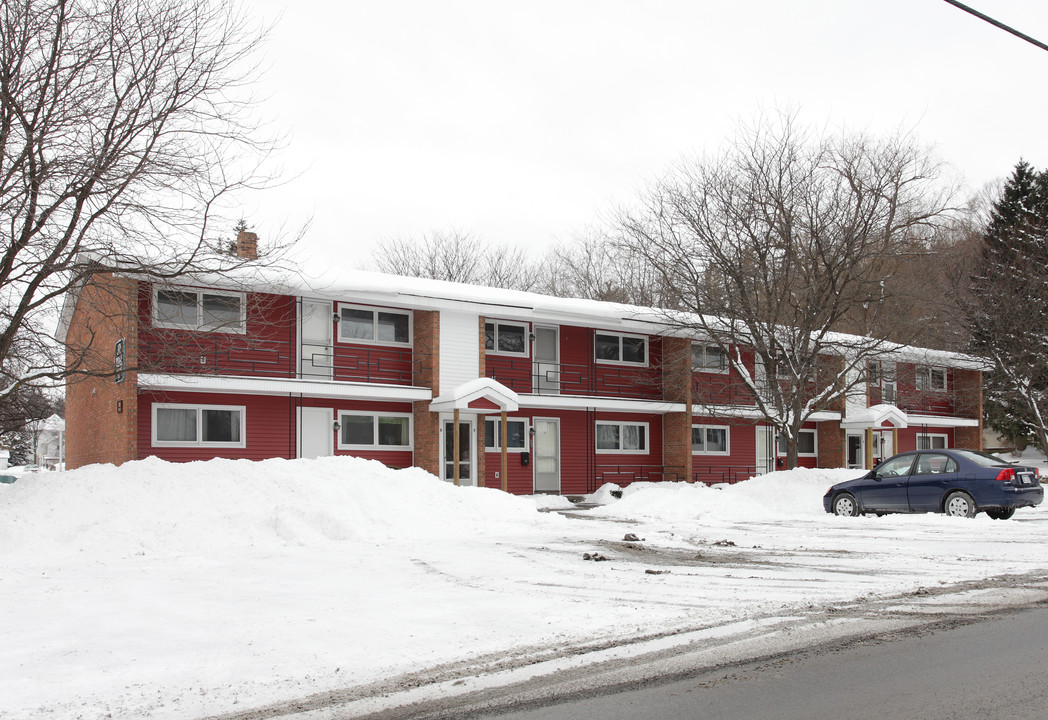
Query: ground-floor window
[516,435]
[622,437]
[932,441]
[371,431]
[710,439]
[180,425]
[807,445]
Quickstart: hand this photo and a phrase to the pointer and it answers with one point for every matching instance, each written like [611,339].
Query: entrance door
[765,449]
[315,339]
[546,455]
[856,451]
[547,360]
[467,449]
[315,432]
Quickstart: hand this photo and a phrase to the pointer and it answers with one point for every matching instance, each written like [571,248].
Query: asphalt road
[993,667]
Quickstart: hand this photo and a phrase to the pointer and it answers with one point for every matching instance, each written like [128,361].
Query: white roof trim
[270,386]
[752,413]
[940,421]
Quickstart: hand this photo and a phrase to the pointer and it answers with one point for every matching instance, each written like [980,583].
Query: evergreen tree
[1008,316]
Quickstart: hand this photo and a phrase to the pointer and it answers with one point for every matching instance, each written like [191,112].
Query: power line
[998,23]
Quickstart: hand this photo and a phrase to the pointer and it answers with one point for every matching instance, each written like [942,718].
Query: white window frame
[374,325]
[929,436]
[505,323]
[498,434]
[621,424]
[199,442]
[704,427]
[620,361]
[342,414]
[781,451]
[239,329]
[928,371]
[705,347]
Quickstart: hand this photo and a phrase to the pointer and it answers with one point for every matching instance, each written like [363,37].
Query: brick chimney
[247,245]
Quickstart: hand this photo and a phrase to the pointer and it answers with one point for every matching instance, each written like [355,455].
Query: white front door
[467,465]
[314,333]
[316,435]
[765,450]
[547,360]
[546,455]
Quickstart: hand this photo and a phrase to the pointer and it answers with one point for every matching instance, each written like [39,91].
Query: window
[935,464]
[709,358]
[506,338]
[198,425]
[932,441]
[933,379]
[622,437]
[516,435]
[209,311]
[381,327]
[806,445]
[119,361]
[709,439]
[614,348]
[374,431]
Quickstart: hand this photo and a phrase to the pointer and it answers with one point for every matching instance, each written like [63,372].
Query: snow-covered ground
[157,590]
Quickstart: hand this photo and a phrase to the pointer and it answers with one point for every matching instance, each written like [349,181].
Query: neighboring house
[388,367]
[50,443]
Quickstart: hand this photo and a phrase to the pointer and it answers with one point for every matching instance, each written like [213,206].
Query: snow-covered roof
[352,285]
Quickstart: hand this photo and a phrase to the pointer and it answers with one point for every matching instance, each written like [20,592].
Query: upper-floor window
[624,437]
[206,310]
[372,325]
[931,378]
[709,358]
[374,431]
[504,338]
[618,348]
[180,425]
[882,375]
[516,435]
[710,439]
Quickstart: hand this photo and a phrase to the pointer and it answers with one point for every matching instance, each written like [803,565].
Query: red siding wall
[267,349]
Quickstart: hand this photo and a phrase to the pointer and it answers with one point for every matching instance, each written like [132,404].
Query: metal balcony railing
[623,475]
[524,375]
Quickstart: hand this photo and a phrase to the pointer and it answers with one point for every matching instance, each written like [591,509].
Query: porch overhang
[482,396]
[877,416]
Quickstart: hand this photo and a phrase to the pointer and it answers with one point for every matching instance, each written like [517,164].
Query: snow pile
[778,495]
[156,507]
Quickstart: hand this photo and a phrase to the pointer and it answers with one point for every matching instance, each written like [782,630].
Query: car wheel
[1001,514]
[959,504]
[844,504]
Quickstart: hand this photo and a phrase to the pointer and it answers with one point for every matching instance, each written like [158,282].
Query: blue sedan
[959,483]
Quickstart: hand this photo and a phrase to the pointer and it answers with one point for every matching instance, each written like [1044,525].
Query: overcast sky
[523,122]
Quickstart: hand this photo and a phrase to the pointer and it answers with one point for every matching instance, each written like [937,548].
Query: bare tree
[775,243]
[593,266]
[457,256]
[124,130]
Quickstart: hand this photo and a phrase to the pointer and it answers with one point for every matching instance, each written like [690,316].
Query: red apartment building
[387,368]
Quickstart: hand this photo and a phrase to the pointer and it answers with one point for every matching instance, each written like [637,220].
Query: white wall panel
[459,349]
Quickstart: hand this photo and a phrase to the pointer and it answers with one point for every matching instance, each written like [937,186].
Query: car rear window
[981,458]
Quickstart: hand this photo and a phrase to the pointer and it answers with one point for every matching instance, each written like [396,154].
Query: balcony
[927,402]
[236,355]
[526,376]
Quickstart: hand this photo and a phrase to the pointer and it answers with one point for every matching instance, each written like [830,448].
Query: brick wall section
[427,364]
[832,453]
[677,388]
[96,430]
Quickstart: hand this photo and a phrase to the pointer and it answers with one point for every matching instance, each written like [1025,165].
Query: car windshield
[981,458]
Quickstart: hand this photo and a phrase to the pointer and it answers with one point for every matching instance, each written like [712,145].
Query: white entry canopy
[876,417]
[481,396]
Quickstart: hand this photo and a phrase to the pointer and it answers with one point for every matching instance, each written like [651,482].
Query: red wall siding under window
[908,436]
[267,349]
[270,426]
